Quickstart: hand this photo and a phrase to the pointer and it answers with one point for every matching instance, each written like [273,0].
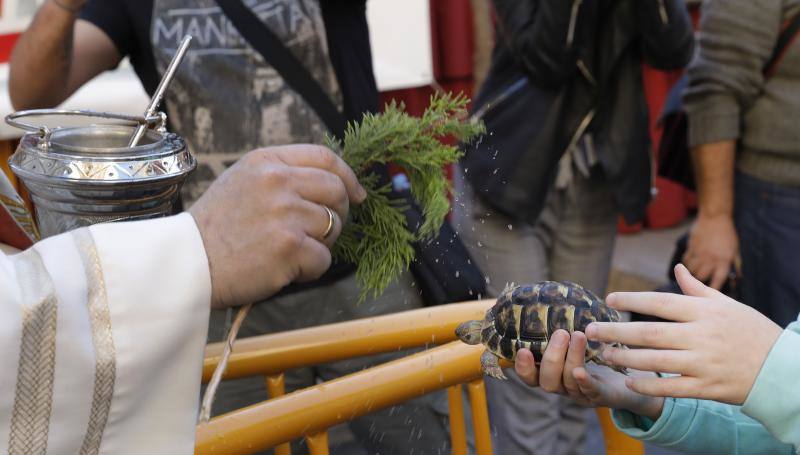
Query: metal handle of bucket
[159,120]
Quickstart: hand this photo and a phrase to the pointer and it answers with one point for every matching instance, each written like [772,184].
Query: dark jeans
[767,219]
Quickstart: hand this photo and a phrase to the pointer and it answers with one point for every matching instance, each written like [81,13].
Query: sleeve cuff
[159,291]
[716,119]
[673,424]
[773,400]
[169,251]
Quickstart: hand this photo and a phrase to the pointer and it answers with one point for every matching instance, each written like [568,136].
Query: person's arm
[102,329]
[101,339]
[56,55]
[543,36]
[702,427]
[687,425]
[718,349]
[774,400]
[667,34]
[713,242]
[737,38]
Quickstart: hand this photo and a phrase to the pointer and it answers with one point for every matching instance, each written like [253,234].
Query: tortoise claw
[491,367]
[599,360]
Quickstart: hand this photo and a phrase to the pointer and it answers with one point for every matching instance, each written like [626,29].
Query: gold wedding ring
[331,223]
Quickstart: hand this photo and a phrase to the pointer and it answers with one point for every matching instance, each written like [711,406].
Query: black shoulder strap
[264,41]
[787,35]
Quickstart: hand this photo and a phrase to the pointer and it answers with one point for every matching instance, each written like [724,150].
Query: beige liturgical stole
[101,340]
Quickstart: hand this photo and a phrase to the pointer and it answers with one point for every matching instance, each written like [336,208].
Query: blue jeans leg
[767,219]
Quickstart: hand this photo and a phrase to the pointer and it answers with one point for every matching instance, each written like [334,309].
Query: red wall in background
[7,43]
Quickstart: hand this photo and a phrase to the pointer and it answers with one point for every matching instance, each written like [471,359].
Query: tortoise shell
[526,316]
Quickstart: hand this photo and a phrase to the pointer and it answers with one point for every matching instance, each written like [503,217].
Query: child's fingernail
[591,331]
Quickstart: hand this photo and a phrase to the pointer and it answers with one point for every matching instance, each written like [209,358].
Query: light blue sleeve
[767,423]
[702,427]
[774,399]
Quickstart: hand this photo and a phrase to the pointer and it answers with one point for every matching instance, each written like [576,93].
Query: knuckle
[289,241]
[258,157]
[340,189]
[283,206]
[327,159]
[275,175]
[323,258]
[652,334]
[611,355]
[548,387]
[572,389]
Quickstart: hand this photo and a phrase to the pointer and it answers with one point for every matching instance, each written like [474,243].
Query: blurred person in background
[225,100]
[567,152]
[746,150]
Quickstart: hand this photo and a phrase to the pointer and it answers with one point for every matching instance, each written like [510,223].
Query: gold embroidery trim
[33,398]
[105,372]
[21,215]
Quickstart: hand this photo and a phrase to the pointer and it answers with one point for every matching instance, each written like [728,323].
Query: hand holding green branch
[376,236]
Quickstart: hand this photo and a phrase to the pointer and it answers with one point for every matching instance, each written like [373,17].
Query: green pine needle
[376,237]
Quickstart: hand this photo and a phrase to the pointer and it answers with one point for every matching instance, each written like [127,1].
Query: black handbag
[512,166]
[442,267]
[674,157]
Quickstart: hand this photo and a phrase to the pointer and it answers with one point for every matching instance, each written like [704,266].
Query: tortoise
[526,316]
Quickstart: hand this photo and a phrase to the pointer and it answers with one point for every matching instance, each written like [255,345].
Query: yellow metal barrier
[275,353]
[310,412]
[313,410]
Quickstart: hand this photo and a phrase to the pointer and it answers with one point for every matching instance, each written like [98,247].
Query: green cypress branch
[376,238]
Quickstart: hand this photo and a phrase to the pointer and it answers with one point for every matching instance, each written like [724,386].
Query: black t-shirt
[128,24]
[225,100]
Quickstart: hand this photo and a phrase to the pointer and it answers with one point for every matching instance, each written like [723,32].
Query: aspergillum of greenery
[376,237]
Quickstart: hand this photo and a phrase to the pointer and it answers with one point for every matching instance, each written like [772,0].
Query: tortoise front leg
[490,366]
[596,358]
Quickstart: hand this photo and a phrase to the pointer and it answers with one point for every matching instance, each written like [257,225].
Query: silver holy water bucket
[83,175]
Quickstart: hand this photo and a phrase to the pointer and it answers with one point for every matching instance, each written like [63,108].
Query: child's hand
[563,372]
[717,346]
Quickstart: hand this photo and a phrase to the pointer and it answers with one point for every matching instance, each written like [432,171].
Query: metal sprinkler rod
[162,88]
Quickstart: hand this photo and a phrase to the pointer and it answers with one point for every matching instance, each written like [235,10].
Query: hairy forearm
[41,59]
[714,169]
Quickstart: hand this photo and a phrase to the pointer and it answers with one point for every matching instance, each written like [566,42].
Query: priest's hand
[264,221]
[717,345]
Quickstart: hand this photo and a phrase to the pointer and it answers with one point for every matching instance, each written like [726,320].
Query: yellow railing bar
[315,409]
[318,443]
[620,443]
[276,388]
[458,430]
[270,355]
[275,353]
[480,415]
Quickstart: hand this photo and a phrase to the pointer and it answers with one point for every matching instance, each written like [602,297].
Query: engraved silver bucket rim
[52,155]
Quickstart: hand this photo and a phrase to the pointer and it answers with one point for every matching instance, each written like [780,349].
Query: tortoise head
[469,332]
